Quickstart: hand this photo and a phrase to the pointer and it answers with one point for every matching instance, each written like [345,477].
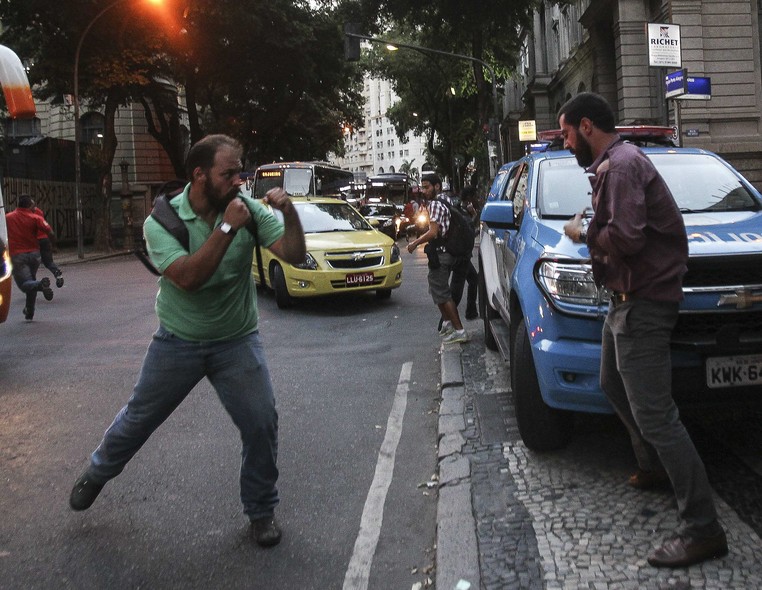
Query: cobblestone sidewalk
[563,520]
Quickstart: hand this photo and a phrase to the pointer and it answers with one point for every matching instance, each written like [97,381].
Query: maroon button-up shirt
[636,237]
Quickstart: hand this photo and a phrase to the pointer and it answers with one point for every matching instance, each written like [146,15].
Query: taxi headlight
[309,263]
[395,254]
[568,282]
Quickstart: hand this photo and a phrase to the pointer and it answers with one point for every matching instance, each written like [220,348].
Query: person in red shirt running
[23,227]
[45,241]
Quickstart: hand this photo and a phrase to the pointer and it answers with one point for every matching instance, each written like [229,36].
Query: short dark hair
[25,202]
[468,193]
[590,105]
[432,178]
[202,154]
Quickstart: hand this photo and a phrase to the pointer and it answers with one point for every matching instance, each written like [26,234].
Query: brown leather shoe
[682,551]
[649,480]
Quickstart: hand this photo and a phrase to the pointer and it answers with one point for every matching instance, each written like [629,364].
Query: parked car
[385,217]
[543,311]
[344,254]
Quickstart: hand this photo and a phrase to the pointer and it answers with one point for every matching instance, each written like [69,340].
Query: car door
[516,194]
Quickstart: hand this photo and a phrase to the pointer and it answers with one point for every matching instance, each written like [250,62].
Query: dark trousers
[636,375]
[46,253]
[464,272]
[25,275]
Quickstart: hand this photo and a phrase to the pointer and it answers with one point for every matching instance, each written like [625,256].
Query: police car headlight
[568,282]
[309,263]
[395,253]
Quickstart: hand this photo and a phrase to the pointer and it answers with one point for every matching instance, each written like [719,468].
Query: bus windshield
[303,180]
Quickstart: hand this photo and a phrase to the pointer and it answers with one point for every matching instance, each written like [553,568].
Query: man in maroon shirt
[23,227]
[639,250]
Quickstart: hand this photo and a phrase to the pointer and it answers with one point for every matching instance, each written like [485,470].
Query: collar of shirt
[593,168]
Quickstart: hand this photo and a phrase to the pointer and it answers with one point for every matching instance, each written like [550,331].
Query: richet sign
[664,45]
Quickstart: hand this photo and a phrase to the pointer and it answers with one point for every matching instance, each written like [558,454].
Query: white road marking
[358,571]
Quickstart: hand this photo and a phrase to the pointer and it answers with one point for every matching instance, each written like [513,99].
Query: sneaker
[28,315]
[84,492]
[471,312]
[266,531]
[446,328]
[44,286]
[456,336]
[59,281]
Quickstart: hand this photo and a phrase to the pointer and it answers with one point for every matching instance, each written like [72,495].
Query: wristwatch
[226,228]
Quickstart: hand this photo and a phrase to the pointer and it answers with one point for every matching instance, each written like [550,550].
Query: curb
[457,563]
[65,258]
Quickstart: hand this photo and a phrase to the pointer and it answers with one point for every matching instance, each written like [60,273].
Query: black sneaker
[59,281]
[84,492]
[28,315]
[266,531]
[44,286]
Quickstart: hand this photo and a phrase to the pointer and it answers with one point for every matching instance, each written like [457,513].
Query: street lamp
[77,129]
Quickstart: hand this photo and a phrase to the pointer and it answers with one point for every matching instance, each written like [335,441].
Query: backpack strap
[167,217]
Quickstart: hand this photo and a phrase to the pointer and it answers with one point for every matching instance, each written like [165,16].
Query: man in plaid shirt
[440,262]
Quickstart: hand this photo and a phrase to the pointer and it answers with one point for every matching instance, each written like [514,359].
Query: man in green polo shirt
[207,310]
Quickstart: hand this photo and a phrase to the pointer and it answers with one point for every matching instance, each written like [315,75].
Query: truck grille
[723,329]
[724,271]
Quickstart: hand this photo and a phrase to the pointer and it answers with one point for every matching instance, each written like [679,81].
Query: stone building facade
[602,46]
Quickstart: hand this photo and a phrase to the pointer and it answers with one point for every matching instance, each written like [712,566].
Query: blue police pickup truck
[544,313]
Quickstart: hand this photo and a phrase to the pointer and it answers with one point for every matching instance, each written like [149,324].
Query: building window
[92,125]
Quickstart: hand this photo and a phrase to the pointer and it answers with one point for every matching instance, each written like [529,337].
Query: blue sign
[699,88]
[676,83]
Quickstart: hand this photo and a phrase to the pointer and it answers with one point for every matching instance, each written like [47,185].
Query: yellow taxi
[345,254]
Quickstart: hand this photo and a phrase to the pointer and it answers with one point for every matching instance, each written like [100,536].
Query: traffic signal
[351,44]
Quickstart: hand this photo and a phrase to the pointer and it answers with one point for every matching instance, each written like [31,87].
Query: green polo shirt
[226,306]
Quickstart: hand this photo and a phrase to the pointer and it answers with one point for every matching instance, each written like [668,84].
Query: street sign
[698,88]
[527,131]
[664,45]
[676,83]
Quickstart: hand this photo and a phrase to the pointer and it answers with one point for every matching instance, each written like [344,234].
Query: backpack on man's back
[459,240]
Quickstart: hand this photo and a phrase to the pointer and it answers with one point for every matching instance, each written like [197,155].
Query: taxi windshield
[328,217]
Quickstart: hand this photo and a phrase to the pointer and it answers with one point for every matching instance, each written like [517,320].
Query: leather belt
[617,298]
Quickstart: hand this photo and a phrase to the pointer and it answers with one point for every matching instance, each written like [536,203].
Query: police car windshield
[699,182]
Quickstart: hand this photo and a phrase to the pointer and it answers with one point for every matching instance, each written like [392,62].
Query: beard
[218,201]
[583,152]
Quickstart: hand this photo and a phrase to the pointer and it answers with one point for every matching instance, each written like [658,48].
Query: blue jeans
[25,275]
[171,369]
[636,375]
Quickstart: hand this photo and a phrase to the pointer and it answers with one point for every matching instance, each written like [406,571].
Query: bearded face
[582,150]
[218,196]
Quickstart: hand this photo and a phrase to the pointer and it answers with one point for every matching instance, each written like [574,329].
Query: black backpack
[459,240]
[168,218]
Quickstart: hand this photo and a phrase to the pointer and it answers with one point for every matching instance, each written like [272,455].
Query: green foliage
[270,73]
[486,30]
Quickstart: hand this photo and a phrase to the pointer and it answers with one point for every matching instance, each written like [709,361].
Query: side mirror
[498,215]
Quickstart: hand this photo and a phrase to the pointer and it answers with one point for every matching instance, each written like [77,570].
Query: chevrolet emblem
[742,299]
[357,256]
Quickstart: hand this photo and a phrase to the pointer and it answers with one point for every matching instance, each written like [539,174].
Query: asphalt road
[173,518]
